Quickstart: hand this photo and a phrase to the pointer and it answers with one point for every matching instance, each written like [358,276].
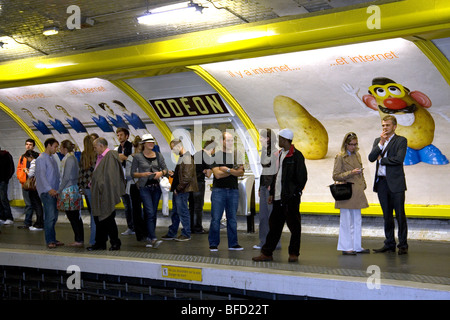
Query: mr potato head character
[415,123]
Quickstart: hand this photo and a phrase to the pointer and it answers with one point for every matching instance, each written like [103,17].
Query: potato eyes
[391,90]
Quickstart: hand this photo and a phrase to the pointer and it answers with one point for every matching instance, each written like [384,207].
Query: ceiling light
[170,13]
[50,31]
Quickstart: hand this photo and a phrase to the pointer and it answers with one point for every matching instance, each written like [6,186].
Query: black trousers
[77,224]
[107,228]
[140,227]
[37,206]
[196,202]
[389,202]
[284,212]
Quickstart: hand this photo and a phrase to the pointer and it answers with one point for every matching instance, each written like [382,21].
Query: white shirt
[277,195]
[381,168]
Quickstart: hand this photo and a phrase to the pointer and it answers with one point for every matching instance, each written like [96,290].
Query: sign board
[181,273]
[200,105]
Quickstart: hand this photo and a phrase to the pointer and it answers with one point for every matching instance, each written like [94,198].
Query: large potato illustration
[310,136]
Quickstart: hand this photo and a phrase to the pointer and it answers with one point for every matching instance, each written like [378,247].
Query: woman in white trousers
[348,167]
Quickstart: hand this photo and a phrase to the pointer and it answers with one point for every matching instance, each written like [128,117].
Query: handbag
[165,185]
[30,184]
[69,199]
[341,191]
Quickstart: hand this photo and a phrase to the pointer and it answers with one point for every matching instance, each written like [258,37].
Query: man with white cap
[285,194]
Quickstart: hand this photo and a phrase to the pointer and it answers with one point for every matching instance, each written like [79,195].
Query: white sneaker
[154,244]
[35,229]
[128,232]
[8,222]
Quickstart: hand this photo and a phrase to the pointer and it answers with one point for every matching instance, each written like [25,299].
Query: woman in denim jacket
[149,166]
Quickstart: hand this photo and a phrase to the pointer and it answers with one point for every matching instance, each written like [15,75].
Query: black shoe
[384,249]
[114,247]
[95,247]
[402,251]
[202,231]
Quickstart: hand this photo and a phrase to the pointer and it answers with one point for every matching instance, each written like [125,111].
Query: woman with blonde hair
[348,168]
[69,197]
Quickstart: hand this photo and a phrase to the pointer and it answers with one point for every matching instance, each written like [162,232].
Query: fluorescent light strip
[171,13]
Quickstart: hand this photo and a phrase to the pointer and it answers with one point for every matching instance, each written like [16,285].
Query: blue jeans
[180,212]
[228,200]
[50,216]
[150,196]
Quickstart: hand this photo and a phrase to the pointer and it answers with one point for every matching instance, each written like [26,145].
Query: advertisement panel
[323,94]
[72,109]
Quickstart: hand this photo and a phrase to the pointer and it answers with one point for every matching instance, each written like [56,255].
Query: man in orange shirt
[21,173]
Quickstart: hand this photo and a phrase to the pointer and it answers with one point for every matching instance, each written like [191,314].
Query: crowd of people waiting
[136,174]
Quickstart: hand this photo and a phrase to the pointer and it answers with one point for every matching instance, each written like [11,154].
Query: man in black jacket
[285,194]
[124,149]
[7,165]
[389,152]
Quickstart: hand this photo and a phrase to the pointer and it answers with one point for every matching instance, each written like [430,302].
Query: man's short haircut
[124,130]
[210,142]
[101,141]
[50,141]
[174,142]
[391,118]
[32,141]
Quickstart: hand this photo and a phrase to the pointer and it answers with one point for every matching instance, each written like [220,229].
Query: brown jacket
[343,166]
[107,185]
[187,175]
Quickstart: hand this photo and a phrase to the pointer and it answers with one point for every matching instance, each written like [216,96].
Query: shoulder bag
[30,184]
[341,191]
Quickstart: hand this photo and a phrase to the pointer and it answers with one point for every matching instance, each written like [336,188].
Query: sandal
[51,245]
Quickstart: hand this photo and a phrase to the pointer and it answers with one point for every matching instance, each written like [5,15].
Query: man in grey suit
[389,152]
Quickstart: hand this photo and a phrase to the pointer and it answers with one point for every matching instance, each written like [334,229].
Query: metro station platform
[188,270]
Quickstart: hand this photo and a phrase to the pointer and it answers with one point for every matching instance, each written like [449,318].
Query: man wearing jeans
[184,182]
[47,182]
[225,194]
[22,168]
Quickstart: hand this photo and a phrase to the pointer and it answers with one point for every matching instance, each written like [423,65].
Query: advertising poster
[73,109]
[323,94]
